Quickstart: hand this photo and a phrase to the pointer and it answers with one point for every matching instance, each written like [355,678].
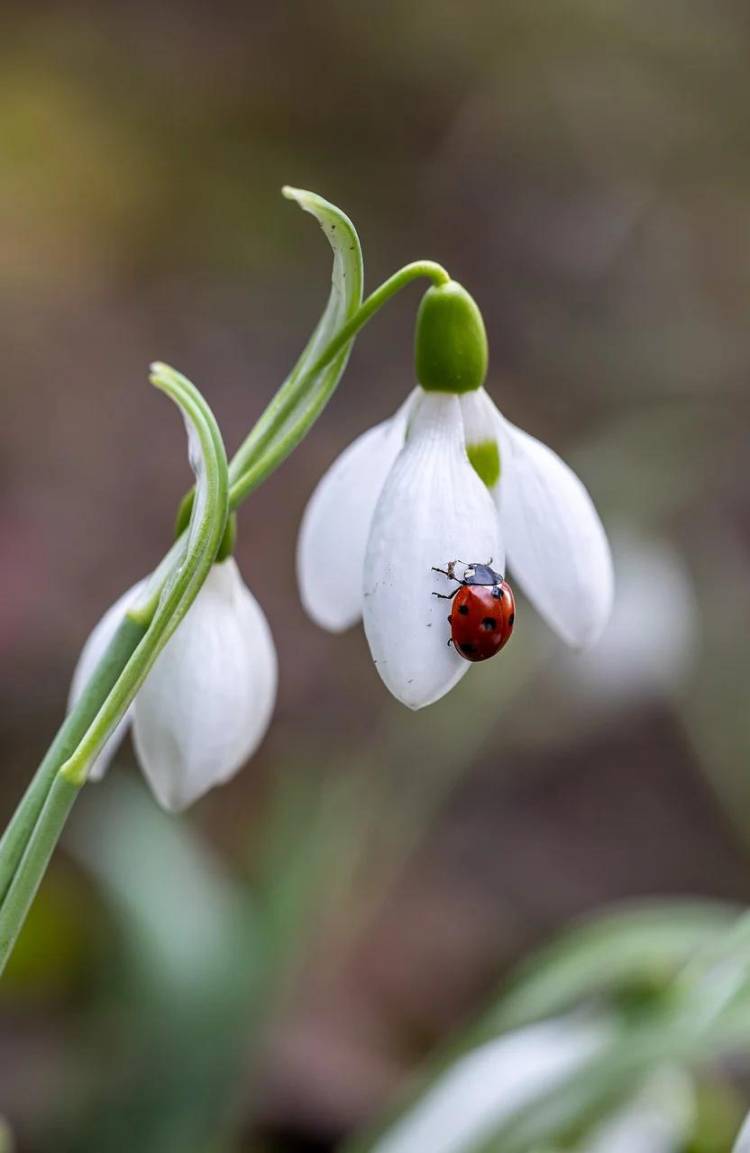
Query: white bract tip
[433,509]
[487,1086]
[336,525]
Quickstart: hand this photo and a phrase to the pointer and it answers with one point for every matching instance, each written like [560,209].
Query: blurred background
[583,167]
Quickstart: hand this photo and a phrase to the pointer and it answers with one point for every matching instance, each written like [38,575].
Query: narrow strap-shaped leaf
[207,523]
[304,394]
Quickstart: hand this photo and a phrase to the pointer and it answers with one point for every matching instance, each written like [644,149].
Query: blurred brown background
[583,166]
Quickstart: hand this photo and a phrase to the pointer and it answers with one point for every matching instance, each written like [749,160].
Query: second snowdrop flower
[448,483]
[208,700]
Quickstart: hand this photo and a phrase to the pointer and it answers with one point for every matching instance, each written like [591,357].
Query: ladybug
[483,610]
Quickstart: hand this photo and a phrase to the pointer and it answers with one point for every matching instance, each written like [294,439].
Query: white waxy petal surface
[91,653]
[207,701]
[433,509]
[336,525]
[557,547]
[487,1086]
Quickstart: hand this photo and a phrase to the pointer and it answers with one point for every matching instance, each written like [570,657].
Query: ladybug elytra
[483,610]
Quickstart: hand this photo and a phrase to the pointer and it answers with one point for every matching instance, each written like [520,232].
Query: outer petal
[488,1085]
[557,547]
[207,701]
[433,509]
[91,653]
[336,524]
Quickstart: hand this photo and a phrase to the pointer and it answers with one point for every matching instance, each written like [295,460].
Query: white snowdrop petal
[91,653]
[484,1088]
[433,509]
[557,547]
[336,524]
[207,702]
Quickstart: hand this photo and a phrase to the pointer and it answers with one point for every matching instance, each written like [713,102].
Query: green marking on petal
[485,458]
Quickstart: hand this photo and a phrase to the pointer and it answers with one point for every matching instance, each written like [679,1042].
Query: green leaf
[636,948]
[310,385]
[177,582]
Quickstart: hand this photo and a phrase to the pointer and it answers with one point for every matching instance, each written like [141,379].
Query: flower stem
[20,828]
[34,860]
[269,442]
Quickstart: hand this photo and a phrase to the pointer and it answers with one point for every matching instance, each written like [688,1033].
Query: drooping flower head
[208,700]
[446,480]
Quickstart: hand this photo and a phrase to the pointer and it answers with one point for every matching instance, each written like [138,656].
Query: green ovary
[485,458]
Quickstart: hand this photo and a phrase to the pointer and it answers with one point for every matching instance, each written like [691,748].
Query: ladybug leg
[447,571]
[447,596]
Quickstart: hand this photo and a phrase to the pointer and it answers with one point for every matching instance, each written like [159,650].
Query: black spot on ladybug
[497,592]
[511,619]
[468,648]
[488,624]
[464,610]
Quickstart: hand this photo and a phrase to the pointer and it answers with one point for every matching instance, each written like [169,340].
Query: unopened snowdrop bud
[207,702]
[450,346]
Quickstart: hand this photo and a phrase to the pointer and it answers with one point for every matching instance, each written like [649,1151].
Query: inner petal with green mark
[485,458]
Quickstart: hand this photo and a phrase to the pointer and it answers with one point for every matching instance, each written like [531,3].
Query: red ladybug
[483,610]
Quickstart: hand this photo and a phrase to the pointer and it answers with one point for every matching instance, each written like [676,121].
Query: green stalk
[269,443]
[18,832]
[33,864]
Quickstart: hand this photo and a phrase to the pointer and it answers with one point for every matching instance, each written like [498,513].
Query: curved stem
[33,864]
[18,831]
[245,471]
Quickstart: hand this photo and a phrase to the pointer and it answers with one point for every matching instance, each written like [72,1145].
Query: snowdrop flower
[448,478]
[206,704]
[484,1088]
